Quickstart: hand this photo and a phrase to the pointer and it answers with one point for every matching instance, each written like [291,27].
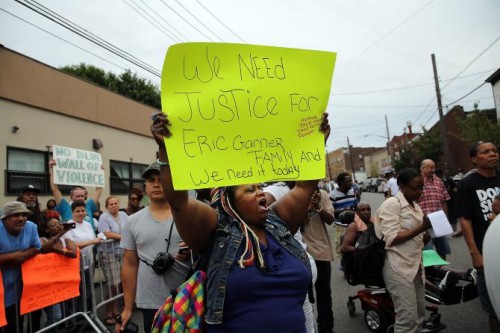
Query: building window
[124,176]
[29,167]
[26,167]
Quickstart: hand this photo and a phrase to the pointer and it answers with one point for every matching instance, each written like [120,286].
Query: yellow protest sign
[244,113]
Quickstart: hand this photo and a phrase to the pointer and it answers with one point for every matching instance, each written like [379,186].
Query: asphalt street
[463,317]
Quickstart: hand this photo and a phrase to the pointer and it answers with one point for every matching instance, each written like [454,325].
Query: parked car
[374,185]
[363,185]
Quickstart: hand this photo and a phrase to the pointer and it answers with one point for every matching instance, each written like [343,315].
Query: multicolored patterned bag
[183,312]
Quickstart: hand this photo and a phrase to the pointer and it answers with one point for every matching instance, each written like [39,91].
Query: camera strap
[166,240]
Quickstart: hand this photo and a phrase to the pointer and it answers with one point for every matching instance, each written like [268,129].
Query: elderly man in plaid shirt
[434,198]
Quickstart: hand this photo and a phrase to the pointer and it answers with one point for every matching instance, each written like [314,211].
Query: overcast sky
[383,47]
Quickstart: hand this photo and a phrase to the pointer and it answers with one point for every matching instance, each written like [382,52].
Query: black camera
[162,262]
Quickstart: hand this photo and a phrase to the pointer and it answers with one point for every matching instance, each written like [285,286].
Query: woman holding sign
[52,241]
[401,223]
[258,275]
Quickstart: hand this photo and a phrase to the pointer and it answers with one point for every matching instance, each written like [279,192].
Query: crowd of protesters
[274,238]
[26,230]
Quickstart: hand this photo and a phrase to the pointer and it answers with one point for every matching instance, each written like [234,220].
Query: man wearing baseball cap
[29,195]
[147,233]
[18,242]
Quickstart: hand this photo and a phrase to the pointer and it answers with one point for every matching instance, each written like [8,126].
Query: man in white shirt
[392,185]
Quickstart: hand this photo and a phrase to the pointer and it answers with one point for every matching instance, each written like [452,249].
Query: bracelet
[162,163]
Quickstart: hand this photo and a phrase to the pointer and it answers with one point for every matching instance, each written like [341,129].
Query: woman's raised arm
[195,220]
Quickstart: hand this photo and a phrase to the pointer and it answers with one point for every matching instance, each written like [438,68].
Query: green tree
[404,160]
[127,84]
[477,126]
[429,146]
[89,73]
[130,85]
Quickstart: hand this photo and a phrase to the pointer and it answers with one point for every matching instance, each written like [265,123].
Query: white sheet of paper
[440,224]
[101,236]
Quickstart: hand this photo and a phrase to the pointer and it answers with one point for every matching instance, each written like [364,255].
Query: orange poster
[3,321]
[49,279]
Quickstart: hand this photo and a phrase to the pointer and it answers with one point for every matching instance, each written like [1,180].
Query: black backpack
[365,265]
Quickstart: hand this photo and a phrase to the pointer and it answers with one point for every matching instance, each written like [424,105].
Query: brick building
[339,161]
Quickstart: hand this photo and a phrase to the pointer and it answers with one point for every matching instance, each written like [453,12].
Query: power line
[184,19]
[382,90]
[482,84]
[67,24]
[215,17]
[200,22]
[386,34]
[368,124]
[468,84]
[473,60]
[425,109]
[406,87]
[376,106]
[84,33]
[432,116]
[62,39]
[166,22]
[470,100]
[146,15]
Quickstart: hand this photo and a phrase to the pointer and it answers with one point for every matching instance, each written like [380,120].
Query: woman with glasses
[134,201]
[401,223]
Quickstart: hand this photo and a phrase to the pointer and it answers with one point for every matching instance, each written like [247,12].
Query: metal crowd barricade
[108,287]
[100,287]
[64,316]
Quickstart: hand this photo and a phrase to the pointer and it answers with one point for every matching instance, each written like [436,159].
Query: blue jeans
[441,244]
[53,313]
[482,292]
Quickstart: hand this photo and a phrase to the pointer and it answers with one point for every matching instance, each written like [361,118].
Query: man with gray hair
[433,199]
[18,242]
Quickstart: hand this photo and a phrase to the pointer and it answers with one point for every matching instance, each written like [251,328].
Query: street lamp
[388,146]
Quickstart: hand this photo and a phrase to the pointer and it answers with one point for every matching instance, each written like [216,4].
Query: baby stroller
[442,286]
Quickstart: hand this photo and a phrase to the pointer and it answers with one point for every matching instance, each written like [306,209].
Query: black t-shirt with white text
[475,195]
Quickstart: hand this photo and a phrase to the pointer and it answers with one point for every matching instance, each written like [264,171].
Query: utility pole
[328,165]
[350,160]
[389,152]
[442,123]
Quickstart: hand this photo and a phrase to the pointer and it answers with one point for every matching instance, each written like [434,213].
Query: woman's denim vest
[228,238]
